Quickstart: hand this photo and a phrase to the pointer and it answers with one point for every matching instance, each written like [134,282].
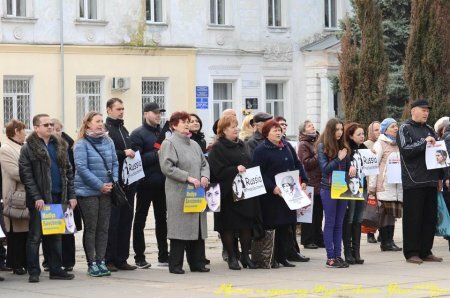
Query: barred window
[154,91]
[16,100]
[88,97]
[275,98]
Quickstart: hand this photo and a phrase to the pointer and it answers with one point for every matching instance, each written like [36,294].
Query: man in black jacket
[151,188]
[419,185]
[119,233]
[46,172]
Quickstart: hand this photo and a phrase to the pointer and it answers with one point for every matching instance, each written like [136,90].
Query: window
[88,9]
[88,97]
[330,14]
[274,99]
[16,8]
[154,91]
[217,12]
[16,100]
[223,98]
[274,15]
[154,11]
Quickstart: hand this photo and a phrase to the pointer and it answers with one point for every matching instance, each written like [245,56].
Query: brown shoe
[111,267]
[414,260]
[432,258]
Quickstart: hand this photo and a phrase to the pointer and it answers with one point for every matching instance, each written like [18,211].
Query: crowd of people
[49,167]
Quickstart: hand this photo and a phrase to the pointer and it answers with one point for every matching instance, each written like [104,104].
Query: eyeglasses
[47,124]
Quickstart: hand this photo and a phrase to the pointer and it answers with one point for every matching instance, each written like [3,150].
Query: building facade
[68,57]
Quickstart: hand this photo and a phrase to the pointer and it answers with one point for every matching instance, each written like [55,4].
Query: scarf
[94,134]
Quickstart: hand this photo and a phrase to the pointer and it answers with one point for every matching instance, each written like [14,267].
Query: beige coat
[9,159]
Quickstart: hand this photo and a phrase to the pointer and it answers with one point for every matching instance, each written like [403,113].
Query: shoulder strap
[108,171]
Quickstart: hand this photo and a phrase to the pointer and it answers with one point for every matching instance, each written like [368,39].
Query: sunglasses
[47,124]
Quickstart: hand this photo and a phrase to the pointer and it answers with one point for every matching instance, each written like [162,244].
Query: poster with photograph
[345,188]
[304,215]
[194,200]
[248,184]
[212,195]
[370,162]
[436,156]
[54,221]
[291,190]
[133,169]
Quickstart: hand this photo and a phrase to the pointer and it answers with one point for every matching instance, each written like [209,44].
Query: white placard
[133,169]
[248,184]
[436,156]
[370,162]
[291,191]
[305,214]
[394,171]
[2,234]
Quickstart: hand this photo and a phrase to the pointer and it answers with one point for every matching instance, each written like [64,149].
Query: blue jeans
[334,217]
[52,244]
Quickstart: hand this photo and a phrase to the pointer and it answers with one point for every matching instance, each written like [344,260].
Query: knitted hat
[385,124]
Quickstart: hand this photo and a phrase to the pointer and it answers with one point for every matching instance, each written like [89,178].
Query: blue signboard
[201,91]
[201,103]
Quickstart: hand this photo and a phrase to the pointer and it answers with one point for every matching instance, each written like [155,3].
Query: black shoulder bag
[118,196]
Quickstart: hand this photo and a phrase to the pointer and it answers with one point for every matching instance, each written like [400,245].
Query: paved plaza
[384,274]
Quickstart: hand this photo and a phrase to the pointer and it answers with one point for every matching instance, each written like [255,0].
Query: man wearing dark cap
[151,188]
[257,137]
[419,185]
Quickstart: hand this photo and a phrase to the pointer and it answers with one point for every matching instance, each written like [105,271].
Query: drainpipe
[61,39]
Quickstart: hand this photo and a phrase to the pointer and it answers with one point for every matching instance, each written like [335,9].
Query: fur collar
[37,147]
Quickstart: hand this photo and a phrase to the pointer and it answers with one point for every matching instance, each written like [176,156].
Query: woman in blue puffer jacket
[93,187]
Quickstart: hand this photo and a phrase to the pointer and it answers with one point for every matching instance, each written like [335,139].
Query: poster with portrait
[212,195]
[133,169]
[54,221]
[304,215]
[291,190]
[345,188]
[436,156]
[194,199]
[370,162]
[248,184]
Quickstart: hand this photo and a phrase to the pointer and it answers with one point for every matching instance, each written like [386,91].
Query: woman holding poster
[93,188]
[227,159]
[389,194]
[333,154]
[275,156]
[351,233]
[182,162]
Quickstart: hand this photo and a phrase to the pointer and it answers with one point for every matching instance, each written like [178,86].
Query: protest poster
[305,214]
[212,195]
[2,234]
[436,156]
[394,170]
[133,169]
[194,199]
[248,184]
[54,221]
[289,184]
[370,162]
[345,188]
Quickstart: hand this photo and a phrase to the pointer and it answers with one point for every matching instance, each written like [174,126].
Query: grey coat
[180,157]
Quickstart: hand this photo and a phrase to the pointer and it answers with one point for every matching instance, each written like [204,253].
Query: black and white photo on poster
[212,195]
[304,215]
[436,156]
[289,184]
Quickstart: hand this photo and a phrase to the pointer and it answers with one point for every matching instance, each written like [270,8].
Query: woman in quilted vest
[389,195]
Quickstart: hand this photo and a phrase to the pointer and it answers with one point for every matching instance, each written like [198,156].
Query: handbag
[443,217]
[16,207]
[372,213]
[118,196]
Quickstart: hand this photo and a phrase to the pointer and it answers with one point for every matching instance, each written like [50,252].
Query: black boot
[391,239]
[247,262]
[233,263]
[347,241]
[371,238]
[356,242]
[386,244]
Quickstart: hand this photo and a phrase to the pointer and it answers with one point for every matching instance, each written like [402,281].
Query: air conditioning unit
[120,83]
